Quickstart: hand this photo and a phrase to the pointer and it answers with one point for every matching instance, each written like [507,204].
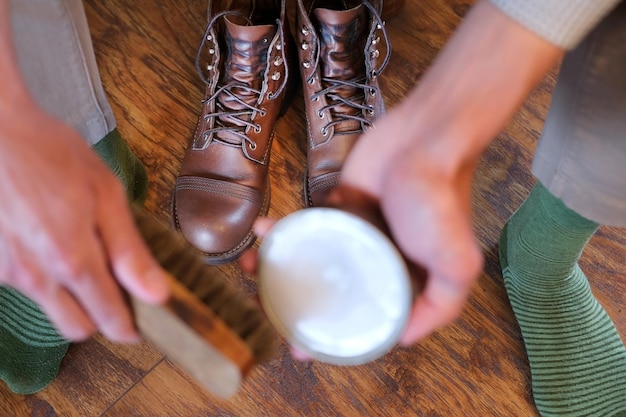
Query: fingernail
[157,285]
[134,338]
[299,355]
[129,337]
[262,226]
[407,341]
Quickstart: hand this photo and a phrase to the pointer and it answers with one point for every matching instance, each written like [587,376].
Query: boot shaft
[340,61]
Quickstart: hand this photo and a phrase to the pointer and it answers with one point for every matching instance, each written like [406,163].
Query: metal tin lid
[334,286]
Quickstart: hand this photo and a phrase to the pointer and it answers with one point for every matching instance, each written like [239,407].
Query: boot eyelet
[372,92]
[306,64]
[209,38]
[278,61]
[311,80]
[252,146]
[370,110]
[315,98]
[305,31]
[375,54]
[211,51]
[257,129]
[320,114]
[276,76]
[304,46]
[279,47]
[324,131]
[209,67]
[262,112]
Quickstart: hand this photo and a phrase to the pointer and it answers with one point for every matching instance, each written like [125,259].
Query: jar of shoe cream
[334,286]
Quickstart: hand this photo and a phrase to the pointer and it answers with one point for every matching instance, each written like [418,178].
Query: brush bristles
[240,313]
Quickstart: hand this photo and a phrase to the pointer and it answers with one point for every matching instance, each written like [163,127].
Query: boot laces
[334,86]
[235,121]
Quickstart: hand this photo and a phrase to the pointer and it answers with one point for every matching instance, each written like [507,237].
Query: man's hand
[419,160]
[428,210]
[67,237]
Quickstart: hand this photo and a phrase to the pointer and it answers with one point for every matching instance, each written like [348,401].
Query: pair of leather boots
[250,64]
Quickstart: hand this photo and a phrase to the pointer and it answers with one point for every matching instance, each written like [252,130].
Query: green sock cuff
[558,213]
[547,234]
[116,154]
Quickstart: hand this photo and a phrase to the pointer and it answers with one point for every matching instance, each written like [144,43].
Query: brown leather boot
[338,51]
[223,184]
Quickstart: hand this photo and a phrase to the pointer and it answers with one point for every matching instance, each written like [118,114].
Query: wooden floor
[476,367]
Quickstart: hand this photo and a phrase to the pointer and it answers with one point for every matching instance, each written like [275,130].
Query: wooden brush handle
[196,340]
[199,317]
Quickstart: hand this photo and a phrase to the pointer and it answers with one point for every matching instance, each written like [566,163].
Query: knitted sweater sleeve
[562,22]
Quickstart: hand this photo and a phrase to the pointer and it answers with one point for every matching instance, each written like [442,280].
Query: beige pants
[581,156]
[56,56]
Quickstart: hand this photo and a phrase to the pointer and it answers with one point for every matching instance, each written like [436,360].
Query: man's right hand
[67,237]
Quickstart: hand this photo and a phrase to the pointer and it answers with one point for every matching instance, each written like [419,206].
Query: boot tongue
[342,42]
[342,38]
[245,63]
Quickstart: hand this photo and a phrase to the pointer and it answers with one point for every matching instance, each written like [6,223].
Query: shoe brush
[208,328]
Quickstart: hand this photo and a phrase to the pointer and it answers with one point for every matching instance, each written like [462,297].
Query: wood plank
[93,375]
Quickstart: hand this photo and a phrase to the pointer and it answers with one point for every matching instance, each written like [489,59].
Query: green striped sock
[576,356]
[31,350]
[30,347]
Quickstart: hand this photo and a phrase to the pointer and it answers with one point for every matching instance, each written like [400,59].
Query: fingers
[77,291]
[131,262]
[249,263]
[439,305]
[263,225]
[430,219]
[115,259]
[249,259]
[111,258]
[66,314]
[299,355]
[92,283]
[451,275]
[56,302]
[453,266]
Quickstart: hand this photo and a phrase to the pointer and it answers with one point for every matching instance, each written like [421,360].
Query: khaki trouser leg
[55,53]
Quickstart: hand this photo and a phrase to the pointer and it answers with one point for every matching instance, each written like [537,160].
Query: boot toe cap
[217,220]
